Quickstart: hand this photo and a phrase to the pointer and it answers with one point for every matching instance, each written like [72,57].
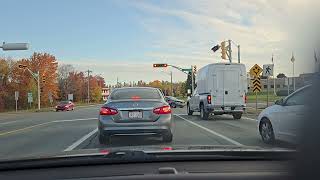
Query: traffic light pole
[171,84]
[192,80]
[230,51]
[37,78]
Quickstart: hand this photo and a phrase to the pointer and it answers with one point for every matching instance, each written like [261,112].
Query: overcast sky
[124,38]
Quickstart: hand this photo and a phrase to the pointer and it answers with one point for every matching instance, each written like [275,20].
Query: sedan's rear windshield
[135,93]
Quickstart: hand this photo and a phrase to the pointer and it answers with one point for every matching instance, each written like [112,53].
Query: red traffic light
[21,66]
[160,65]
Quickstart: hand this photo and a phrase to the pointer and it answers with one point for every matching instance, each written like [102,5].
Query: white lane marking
[71,120]
[81,140]
[212,132]
[251,119]
[181,114]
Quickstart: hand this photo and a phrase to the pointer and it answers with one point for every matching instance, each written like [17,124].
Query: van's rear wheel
[189,110]
[237,115]
[203,114]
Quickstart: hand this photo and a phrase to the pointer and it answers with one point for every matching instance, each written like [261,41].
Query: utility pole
[88,98]
[238,53]
[230,51]
[39,95]
[117,82]
[274,78]
[294,82]
[171,84]
[192,80]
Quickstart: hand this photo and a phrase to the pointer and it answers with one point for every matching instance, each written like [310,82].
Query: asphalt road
[31,134]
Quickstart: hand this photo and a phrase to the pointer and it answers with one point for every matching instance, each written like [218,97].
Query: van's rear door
[232,87]
[218,84]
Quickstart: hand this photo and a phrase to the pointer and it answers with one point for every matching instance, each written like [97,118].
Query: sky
[123,38]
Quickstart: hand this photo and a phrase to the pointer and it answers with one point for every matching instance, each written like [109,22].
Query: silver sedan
[135,111]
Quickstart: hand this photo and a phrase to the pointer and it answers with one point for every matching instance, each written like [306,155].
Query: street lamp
[88,98]
[14,46]
[36,76]
[294,82]
[171,87]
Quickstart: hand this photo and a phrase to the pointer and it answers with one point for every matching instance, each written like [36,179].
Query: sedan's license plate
[227,108]
[135,115]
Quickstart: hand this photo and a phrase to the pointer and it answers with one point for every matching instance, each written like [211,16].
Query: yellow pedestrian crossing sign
[255,70]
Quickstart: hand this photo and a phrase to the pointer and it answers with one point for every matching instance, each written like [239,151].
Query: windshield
[222,63]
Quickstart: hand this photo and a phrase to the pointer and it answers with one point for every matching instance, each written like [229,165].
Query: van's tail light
[162,110]
[209,99]
[245,99]
[108,111]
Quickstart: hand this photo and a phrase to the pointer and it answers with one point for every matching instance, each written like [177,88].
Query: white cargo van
[221,89]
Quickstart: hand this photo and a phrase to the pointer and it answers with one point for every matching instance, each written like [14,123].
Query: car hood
[149,149]
[269,110]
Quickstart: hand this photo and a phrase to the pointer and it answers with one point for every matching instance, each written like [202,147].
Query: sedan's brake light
[108,111]
[162,110]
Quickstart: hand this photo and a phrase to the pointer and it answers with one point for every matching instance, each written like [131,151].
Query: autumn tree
[46,65]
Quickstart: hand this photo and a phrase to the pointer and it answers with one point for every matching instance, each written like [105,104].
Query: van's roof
[226,64]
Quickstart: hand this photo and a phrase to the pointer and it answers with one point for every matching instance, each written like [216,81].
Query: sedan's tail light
[108,111]
[162,110]
[209,99]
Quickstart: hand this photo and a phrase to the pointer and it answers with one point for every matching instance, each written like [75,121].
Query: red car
[65,106]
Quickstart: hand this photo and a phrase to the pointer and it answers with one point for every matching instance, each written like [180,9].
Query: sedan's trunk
[135,111]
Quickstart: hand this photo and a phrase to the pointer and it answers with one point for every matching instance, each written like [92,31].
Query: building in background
[105,93]
[282,83]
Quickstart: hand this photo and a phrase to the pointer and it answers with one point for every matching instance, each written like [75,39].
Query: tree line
[56,81]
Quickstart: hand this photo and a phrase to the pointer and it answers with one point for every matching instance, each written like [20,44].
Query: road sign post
[16,97]
[268,71]
[256,83]
[268,91]
[30,99]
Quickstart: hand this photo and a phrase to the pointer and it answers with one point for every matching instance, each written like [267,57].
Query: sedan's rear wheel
[167,137]
[173,105]
[237,115]
[104,139]
[266,131]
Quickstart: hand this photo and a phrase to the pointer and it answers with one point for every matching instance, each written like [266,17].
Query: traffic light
[160,65]
[21,66]
[223,50]
[195,69]
[43,78]
[215,48]
[41,89]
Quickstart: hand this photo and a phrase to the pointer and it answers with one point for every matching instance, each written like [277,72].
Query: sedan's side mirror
[279,102]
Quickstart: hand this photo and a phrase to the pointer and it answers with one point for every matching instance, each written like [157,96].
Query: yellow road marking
[22,129]
[37,125]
